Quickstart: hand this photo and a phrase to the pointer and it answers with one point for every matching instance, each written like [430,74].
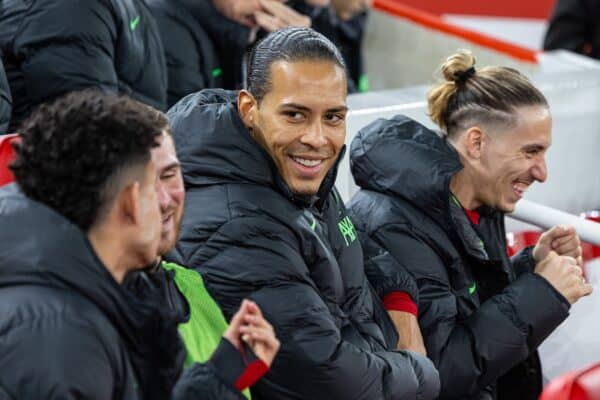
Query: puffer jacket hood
[39,257]
[202,156]
[390,155]
[220,156]
[113,46]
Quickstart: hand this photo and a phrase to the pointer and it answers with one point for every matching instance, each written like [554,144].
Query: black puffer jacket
[69,331]
[66,324]
[51,47]
[230,40]
[5,102]
[482,317]
[300,260]
[575,26]
[192,61]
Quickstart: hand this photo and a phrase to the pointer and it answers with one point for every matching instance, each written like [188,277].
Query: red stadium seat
[579,385]
[7,154]
[590,251]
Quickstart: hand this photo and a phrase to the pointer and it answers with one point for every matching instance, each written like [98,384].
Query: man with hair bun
[433,205]
[263,221]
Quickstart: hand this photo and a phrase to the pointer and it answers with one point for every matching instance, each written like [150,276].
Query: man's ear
[128,204]
[474,141]
[247,108]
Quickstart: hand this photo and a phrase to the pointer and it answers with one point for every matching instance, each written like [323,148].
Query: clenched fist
[564,273]
[563,240]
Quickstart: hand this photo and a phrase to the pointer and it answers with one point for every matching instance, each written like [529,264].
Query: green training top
[203,331]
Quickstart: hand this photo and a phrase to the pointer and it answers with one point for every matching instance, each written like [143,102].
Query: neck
[107,247]
[463,188]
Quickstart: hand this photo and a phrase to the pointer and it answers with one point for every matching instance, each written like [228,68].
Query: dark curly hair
[75,151]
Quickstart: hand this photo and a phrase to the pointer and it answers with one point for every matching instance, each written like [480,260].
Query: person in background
[342,22]
[233,356]
[433,206]
[206,41]
[350,22]
[263,222]
[5,102]
[575,26]
[52,47]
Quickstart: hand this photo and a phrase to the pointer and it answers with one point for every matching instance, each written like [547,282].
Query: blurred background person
[575,26]
[206,42]
[51,47]
[351,21]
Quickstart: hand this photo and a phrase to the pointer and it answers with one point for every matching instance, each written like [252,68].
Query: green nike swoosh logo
[314,224]
[134,23]
[473,288]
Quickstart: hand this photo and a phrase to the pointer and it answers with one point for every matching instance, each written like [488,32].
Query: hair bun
[459,67]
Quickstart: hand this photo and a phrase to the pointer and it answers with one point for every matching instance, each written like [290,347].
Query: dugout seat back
[7,155]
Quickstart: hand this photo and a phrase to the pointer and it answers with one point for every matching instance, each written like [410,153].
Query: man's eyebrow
[338,109]
[300,107]
[295,106]
[172,165]
[535,147]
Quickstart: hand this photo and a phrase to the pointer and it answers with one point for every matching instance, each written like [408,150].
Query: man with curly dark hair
[83,214]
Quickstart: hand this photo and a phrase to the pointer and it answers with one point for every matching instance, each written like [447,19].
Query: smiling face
[170,191]
[301,121]
[511,161]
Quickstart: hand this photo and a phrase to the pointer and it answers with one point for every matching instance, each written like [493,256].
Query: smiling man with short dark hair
[263,221]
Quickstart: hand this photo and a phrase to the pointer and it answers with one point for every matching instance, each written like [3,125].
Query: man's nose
[539,170]
[315,136]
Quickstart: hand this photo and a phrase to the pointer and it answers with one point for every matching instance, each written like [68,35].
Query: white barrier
[547,217]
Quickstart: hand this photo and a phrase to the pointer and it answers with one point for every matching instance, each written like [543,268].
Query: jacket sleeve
[523,261]
[570,26]
[384,272]
[214,379]
[472,353]
[256,258]
[67,362]
[56,57]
